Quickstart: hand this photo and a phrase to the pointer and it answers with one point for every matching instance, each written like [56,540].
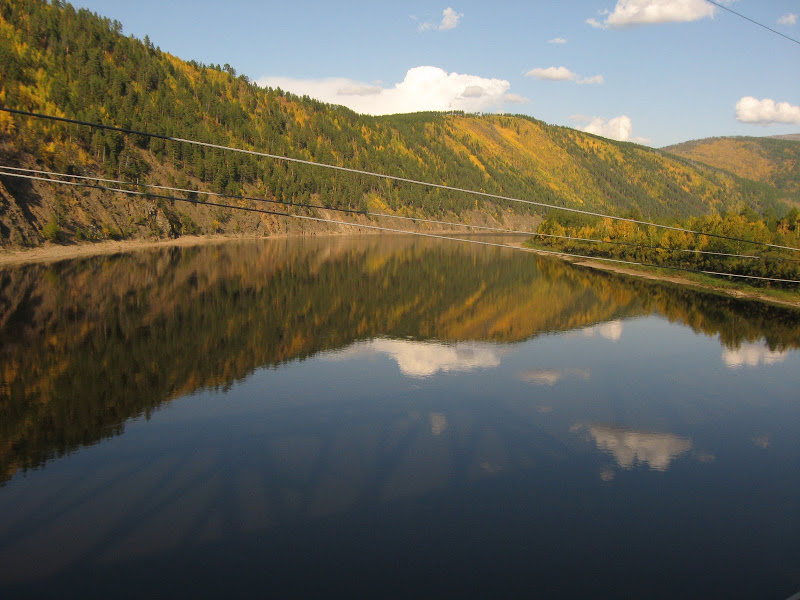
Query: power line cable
[666,248]
[390,177]
[391,230]
[738,14]
[269,200]
[390,216]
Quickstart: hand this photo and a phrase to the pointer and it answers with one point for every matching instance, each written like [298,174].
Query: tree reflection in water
[330,399]
[90,343]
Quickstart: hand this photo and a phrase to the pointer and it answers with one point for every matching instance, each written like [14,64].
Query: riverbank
[50,253]
[778,298]
[744,294]
[53,252]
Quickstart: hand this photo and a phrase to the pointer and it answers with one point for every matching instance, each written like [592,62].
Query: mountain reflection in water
[120,335]
[377,409]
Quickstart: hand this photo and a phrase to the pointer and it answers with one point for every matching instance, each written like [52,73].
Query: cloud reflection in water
[751,355]
[424,359]
[630,447]
[610,331]
[551,376]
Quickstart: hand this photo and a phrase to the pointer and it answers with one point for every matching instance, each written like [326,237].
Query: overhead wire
[391,216]
[389,177]
[392,230]
[269,200]
[746,18]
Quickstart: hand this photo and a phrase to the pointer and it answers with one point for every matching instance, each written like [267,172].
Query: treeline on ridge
[73,63]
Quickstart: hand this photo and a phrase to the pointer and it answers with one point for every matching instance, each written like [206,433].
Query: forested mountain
[775,160]
[72,63]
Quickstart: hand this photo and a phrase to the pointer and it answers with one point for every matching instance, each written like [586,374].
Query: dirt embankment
[675,279]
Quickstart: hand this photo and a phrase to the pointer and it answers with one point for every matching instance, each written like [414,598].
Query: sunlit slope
[770,160]
[584,171]
[72,63]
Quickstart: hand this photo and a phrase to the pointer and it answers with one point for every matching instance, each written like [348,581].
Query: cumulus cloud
[766,111]
[630,13]
[562,74]
[789,19]
[595,80]
[515,99]
[552,74]
[354,89]
[424,88]
[450,20]
[472,91]
[558,40]
[619,128]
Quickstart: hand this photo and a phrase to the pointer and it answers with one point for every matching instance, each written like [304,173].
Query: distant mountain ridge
[772,160]
[66,62]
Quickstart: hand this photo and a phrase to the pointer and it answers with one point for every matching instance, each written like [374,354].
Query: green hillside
[72,63]
[774,161]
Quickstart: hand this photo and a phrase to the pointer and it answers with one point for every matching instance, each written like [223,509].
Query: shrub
[52,231]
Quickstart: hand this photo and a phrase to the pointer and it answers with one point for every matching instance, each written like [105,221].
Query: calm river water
[391,417]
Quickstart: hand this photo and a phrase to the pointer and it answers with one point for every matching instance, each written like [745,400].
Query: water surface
[391,417]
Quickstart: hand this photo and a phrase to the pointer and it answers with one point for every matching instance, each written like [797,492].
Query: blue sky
[653,71]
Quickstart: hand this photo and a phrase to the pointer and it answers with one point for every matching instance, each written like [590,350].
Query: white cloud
[450,19]
[619,128]
[789,19]
[472,91]
[558,40]
[424,88]
[766,111]
[562,74]
[629,13]
[595,80]
[515,99]
[552,74]
[751,355]
[354,89]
